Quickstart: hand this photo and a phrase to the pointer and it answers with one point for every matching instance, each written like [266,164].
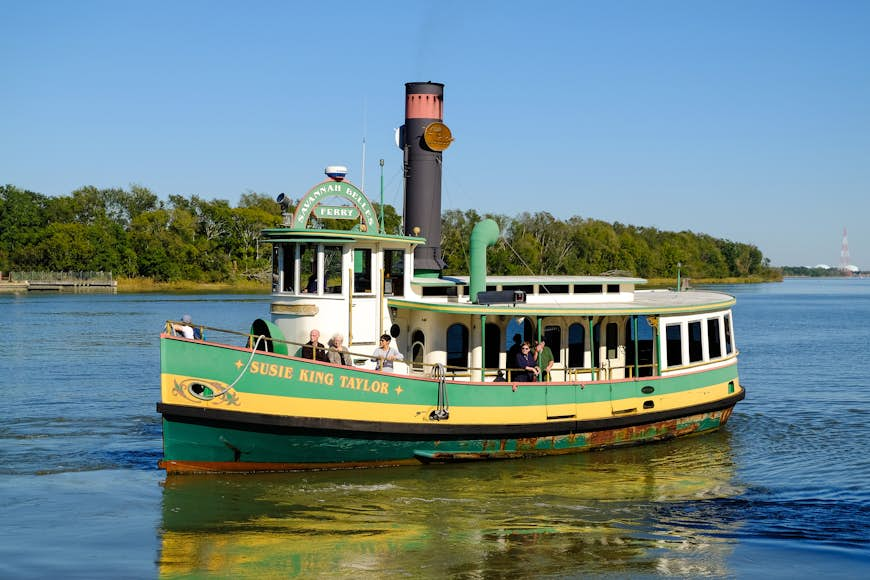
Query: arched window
[553,338]
[418,346]
[457,345]
[519,330]
[576,345]
[493,345]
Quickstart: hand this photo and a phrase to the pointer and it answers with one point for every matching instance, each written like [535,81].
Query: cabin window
[418,346]
[576,345]
[527,288]
[613,288]
[594,355]
[394,272]
[308,268]
[437,290]
[643,357]
[674,344]
[332,269]
[587,289]
[362,271]
[713,341]
[553,338]
[728,343]
[696,347]
[612,339]
[457,346]
[493,346]
[553,289]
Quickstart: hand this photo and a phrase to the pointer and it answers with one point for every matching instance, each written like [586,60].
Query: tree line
[133,233]
[538,244]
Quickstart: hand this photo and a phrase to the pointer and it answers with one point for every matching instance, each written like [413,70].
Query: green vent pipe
[484,234]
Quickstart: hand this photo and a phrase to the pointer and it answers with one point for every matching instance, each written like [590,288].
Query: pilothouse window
[308,268]
[362,271]
[332,269]
[288,267]
[394,279]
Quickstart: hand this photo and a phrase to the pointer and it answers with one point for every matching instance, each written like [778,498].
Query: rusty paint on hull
[581,442]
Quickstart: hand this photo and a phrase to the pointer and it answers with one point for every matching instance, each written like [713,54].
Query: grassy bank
[672,282]
[234,287]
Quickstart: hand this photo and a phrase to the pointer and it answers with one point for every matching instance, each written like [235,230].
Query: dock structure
[58,282]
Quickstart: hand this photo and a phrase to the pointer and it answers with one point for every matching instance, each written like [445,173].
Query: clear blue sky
[746,120]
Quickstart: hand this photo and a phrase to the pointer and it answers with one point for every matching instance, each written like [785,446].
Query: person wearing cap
[185,328]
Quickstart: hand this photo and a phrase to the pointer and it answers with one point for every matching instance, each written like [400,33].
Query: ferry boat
[630,365]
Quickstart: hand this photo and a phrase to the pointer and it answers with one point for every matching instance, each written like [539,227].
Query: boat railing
[569,374]
[262,343]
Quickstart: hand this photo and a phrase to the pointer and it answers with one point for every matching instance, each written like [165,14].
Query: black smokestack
[424,105]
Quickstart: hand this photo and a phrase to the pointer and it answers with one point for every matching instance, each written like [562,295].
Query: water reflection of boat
[631,366]
[621,512]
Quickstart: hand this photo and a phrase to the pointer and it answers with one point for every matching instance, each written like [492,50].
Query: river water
[782,491]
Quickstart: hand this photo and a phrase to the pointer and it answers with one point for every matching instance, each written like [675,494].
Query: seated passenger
[338,353]
[313,349]
[185,329]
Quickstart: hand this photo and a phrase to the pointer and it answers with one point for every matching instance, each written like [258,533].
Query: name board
[310,204]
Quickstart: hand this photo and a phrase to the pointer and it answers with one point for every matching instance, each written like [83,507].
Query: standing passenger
[545,359]
[526,363]
[385,354]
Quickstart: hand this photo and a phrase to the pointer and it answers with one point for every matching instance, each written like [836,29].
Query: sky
[747,120]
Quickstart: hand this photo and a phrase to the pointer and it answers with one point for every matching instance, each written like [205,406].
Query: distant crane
[845,267]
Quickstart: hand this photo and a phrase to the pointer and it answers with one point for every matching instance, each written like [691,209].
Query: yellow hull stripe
[417,414]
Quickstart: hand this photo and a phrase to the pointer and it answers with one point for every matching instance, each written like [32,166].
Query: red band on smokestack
[424,107]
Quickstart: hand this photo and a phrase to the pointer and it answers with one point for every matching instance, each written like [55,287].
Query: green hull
[191,447]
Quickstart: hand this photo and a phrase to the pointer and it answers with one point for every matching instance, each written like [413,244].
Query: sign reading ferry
[310,204]
[341,212]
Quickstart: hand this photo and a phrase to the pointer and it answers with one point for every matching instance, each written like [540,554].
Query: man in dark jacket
[313,349]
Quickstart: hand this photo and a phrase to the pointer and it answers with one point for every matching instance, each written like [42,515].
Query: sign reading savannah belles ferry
[332,189]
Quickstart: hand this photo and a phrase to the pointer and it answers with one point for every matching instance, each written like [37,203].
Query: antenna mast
[364,128]
[844,256]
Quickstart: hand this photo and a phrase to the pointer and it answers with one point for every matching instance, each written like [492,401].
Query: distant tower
[844,256]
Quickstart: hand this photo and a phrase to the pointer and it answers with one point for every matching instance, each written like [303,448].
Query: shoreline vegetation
[190,244]
[148,285]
